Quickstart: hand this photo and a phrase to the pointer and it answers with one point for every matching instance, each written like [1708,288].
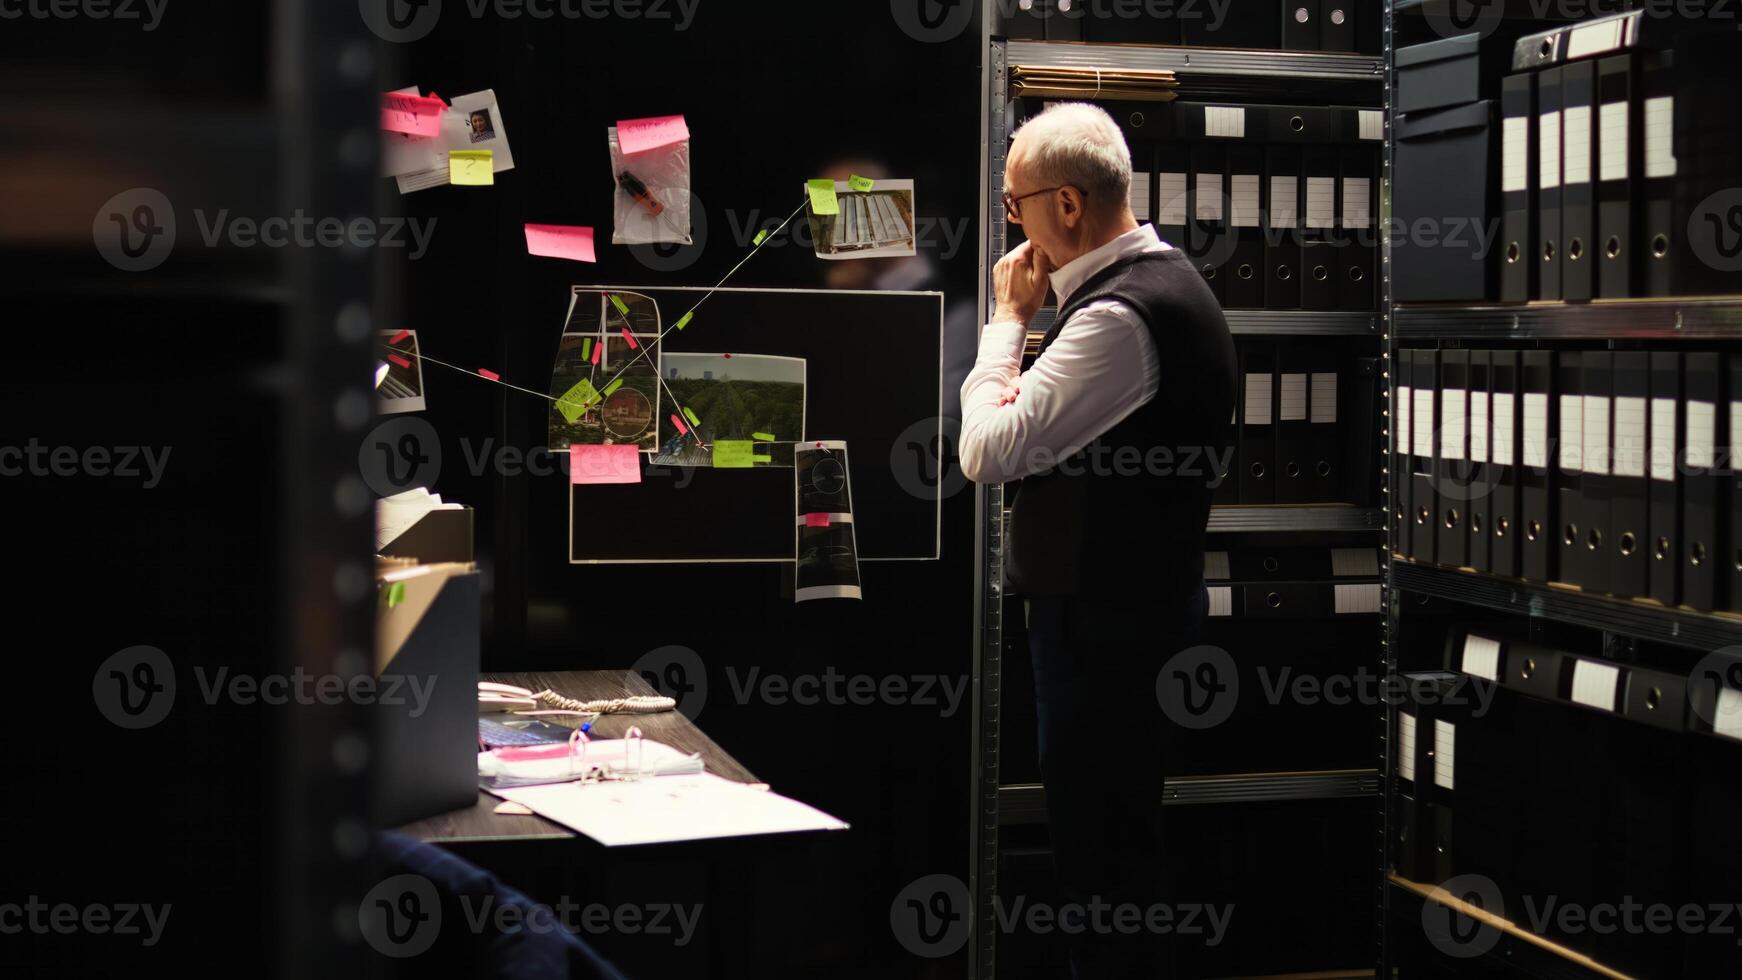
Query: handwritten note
[575,402]
[822,192]
[413,115]
[560,242]
[471,168]
[639,135]
[620,463]
[860,184]
[734,454]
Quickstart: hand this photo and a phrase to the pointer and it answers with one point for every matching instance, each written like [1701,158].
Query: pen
[633,186]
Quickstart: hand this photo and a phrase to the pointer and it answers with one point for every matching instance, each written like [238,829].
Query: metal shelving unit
[1243,66]
[1266,323]
[1629,319]
[1235,519]
[1025,803]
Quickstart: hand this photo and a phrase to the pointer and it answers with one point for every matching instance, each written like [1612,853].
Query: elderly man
[1115,431]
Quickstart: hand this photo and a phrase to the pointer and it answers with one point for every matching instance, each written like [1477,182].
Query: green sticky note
[762,436]
[761,237]
[761,458]
[613,386]
[471,168]
[733,454]
[395,594]
[575,402]
[860,184]
[691,416]
[822,191]
[586,348]
[683,321]
[621,306]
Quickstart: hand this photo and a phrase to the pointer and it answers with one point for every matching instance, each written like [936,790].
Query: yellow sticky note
[395,594]
[683,321]
[621,306]
[471,168]
[613,386]
[762,436]
[761,237]
[733,454]
[860,184]
[822,191]
[575,402]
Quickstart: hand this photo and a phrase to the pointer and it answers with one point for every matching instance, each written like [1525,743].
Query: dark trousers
[1102,743]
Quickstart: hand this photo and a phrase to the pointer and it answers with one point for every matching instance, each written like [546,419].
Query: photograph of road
[757,397]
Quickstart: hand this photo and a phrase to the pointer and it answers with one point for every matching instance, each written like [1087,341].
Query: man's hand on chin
[1019,284]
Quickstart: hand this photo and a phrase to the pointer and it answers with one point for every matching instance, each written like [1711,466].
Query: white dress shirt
[1100,368]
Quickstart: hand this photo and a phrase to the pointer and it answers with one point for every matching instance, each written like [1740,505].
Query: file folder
[1665,484]
[1251,28]
[1536,484]
[1518,266]
[1657,173]
[1451,462]
[1142,194]
[1318,288]
[1293,465]
[1401,464]
[1569,468]
[1337,25]
[1300,25]
[1359,247]
[1324,435]
[1172,197]
[1578,219]
[1245,264]
[1424,424]
[1282,227]
[1597,379]
[1444,201]
[1703,387]
[1132,25]
[1616,169]
[1207,246]
[1504,415]
[1629,508]
[1548,184]
[1482,472]
[1731,553]
[1257,479]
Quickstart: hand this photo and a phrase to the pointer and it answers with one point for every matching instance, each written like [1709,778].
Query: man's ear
[1072,206]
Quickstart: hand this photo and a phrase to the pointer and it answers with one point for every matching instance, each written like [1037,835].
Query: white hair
[1078,144]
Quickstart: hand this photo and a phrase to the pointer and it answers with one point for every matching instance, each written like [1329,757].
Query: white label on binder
[1357,200]
[1321,202]
[1728,719]
[1324,397]
[1500,448]
[1515,160]
[1400,432]
[1348,562]
[1612,141]
[1284,201]
[1173,200]
[1139,194]
[1596,435]
[1572,433]
[1628,459]
[1221,600]
[1578,148]
[1293,402]
[1225,120]
[1445,753]
[1370,124]
[1406,745]
[1424,422]
[1594,684]
[1208,202]
[1535,430]
[1697,452]
[1453,420]
[1243,200]
[1257,399]
[1482,657]
[1660,136]
[1478,427]
[1355,598]
[1216,565]
[1663,439]
[1548,160]
[1595,38]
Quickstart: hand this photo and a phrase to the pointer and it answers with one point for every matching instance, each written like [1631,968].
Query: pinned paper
[395,594]
[761,237]
[684,320]
[413,115]
[762,436]
[816,520]
[629,337]
[822,192]
[402,362]
[860,184]
[598,350]
[682,429]
[691,416]
[734,454]
[560,242]
[638,135]
[575,402]
[621,306]
[619,463]
[487,373]
[586,348]
[394,340]
[613,386]
[471,168]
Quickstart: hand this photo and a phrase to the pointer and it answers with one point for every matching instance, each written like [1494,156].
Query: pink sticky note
[816,520]
[560,242]
[402,362]
[631,339]
[605,464]
[487,373]
[681,428]
[414,115]
[394,340]
[636,135]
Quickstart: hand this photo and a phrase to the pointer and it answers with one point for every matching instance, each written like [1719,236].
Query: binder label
[1515,159]
[1346,562]
[1173,200]
[1536,430]
[1482,657]
[1208,206]
[1293,406]
[1221,600]
[1324,397]
[1216,565]
[1478,427]
[1355,598]
[1284,201]
[1406,745]
[1400,432]
[1612,141]
[1548,161]
[1628,458]
[1424,422]
[1321,202]
[1595,38]
[1139,194]
[1445,753]
[1596,447]
[1728,720]
[1572,433]
[1663,439]
[1594,684]
[1257,399]
[1243,200]
[1370,124]
[1225,120]
[1578,148]
[1356,198]
[1454,419]
[1660,136]
[1699,448]
[1501,449]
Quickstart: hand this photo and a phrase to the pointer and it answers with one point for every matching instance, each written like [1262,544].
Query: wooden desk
[481,823]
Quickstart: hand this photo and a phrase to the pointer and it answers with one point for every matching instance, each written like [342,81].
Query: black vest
[1126,515]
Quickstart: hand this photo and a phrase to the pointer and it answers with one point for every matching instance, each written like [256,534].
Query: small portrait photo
[478,124]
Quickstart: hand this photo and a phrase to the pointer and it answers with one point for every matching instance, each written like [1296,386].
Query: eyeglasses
[1014,213]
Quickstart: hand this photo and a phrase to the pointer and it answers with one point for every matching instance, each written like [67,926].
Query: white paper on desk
[396,514]
[458,134]
[660,809]
[604,753]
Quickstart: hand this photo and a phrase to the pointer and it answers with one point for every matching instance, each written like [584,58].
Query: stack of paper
[393,515]
[669,808]
[470,123]
[1037,81]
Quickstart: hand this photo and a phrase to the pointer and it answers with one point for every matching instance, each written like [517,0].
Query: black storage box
[1454,71]
[1444,205]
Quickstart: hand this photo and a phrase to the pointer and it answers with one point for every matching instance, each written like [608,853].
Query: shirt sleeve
[1100,368]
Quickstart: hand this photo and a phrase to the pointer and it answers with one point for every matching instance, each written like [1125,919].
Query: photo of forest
[755,397]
